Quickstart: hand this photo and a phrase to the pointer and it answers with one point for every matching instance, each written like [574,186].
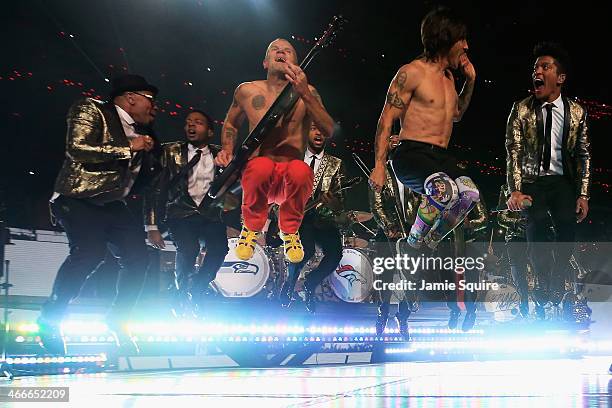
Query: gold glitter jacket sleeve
[88,139]
[385,217]
[583,155]
[524,145]
[514,150]
[332,177]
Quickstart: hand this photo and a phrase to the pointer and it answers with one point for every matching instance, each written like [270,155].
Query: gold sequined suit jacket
[525,140]
[97,152]
[385,206]
[328,177]
[169,197]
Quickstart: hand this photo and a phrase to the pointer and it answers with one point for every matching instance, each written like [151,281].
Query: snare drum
[353,278]
[238,278]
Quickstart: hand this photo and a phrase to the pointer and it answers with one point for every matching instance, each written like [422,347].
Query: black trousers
[517,250]
[554,200]
[327,236]
[386,248]
[188,234]
[102,283]
[457,247]
[414,161]
[90,229]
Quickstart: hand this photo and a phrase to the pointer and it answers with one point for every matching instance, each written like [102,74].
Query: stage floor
[535,383]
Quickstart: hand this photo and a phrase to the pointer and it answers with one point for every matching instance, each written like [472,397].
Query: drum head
[352,280]
[238,278]
[503,303]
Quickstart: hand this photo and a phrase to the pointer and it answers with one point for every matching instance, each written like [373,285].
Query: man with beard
[319,226]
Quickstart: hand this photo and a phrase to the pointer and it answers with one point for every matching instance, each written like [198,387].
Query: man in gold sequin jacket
[549,164]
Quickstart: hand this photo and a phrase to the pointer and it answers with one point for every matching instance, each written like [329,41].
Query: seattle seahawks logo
[350,274]
[241,267]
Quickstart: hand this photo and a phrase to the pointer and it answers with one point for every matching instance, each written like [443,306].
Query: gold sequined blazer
[525,138]
[97,152]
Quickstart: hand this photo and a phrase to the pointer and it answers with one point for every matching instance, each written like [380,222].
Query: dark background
[173,43]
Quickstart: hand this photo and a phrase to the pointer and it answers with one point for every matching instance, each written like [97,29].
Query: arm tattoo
[395,101]
[258,102]
[465,97]
[401,80]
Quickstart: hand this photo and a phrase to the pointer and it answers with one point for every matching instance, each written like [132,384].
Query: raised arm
[468,88]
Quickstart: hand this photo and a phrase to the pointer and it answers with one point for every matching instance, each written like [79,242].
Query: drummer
[394,211]
[318,226]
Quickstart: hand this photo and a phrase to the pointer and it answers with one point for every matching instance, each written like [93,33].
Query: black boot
[453,319]
[285,296]
[381,318]
[180,303]
[51,339]
[310,300]
[468,321]
[402,324]
[123,339]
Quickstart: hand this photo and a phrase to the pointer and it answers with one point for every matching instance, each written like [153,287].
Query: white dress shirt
[556,137]
[308,158]
[128,128]
[201,175]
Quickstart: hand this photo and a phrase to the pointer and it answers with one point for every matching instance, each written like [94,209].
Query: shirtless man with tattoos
[276,173]
[423,96]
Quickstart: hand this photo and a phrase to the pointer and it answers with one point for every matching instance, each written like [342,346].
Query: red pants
[288,184]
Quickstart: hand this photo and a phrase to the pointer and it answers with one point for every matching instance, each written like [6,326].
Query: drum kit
[263,275]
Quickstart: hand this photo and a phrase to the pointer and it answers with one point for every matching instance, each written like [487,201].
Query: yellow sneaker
[246,244]
[294,251]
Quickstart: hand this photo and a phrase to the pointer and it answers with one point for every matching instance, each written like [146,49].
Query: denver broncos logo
[350,274]
[241,267]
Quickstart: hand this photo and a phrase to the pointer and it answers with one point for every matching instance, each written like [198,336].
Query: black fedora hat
[130,82]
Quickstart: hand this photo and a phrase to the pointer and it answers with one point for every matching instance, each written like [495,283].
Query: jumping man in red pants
[277,172]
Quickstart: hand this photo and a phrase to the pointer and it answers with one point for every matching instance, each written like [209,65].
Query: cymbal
[361,216]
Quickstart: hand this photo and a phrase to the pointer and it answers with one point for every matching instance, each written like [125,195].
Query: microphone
[526,204]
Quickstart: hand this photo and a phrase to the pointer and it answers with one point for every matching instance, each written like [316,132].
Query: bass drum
[503,303]
[241,279]
[353,278]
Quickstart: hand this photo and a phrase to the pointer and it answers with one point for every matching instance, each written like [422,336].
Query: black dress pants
[188,234]
[554,199]
[90,229]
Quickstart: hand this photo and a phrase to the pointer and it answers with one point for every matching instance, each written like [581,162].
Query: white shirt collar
[557,102]
[319,156]
[124,115]
[192,148]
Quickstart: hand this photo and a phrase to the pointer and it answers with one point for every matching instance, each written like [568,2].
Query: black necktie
[194,160]
[547,136]
[312,162]
[181,175]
